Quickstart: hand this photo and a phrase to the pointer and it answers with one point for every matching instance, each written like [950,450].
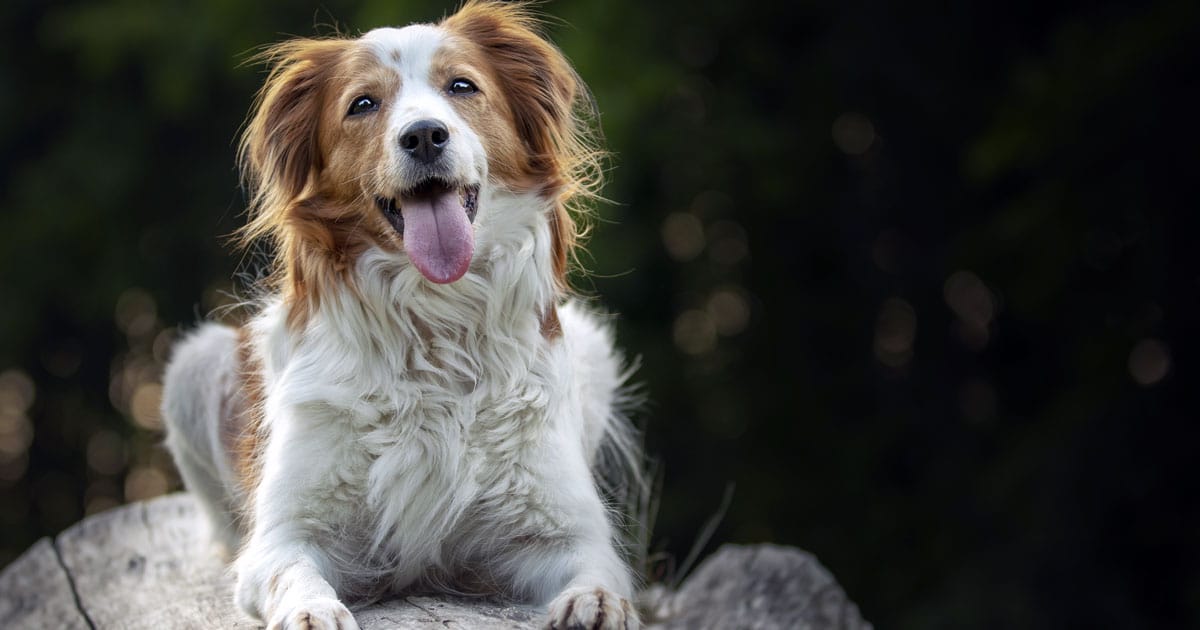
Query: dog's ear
[539,84]
[279,152]
[546,98]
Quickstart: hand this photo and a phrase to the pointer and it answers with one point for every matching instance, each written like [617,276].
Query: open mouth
[428,189]
[434,219]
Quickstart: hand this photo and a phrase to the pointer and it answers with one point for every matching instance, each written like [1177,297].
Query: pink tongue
[437,236]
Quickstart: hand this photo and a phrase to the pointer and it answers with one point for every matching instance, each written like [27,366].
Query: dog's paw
[314,614]
[591,608]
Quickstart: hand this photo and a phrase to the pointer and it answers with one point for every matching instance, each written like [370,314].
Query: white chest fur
[418,443]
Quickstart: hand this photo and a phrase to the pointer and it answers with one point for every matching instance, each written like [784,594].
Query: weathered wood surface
[150,565]
[35,591]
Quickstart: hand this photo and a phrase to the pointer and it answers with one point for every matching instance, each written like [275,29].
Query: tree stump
[150,565]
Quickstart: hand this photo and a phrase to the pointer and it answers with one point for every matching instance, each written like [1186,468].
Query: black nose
[425,140]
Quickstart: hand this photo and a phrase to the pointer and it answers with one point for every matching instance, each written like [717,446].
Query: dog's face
[410,132]
[401,138]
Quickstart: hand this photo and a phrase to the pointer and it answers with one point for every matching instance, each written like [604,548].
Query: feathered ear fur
[280,156]
[551,109]
[279,152]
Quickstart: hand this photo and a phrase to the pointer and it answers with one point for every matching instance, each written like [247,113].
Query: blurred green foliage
[917,279]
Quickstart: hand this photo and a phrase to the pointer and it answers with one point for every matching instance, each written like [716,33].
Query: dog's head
[400,138]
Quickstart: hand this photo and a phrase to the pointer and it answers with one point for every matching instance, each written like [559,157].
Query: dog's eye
[461,87]
[363,105]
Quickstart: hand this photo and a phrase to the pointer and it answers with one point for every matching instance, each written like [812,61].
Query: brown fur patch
[550,326]
[273,584]
[245,427]
[600,615]
[303,168]
[324,242]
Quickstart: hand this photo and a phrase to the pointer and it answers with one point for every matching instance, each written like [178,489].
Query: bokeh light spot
[895,332]
[163,342]
[853,133]
[16,434]
[694,332]
[136,312]
[683,236]
[101,495]
[144,407]
[973,304]
[17,391]
[1149,362]
[729,310]
[106,453]
[144,483]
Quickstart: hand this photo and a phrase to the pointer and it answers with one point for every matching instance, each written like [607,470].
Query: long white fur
[420,435]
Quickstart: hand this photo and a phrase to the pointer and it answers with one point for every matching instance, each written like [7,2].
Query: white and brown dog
[416,403]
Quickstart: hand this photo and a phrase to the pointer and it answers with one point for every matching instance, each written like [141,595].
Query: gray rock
[757,586]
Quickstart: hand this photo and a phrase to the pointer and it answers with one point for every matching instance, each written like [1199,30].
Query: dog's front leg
[583,578]
[283,583]
[598,596]
[285,577]
[577,569]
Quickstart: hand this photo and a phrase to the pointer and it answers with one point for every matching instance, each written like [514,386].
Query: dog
[417,402]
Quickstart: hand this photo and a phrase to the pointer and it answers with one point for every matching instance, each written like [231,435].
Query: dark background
[918,279]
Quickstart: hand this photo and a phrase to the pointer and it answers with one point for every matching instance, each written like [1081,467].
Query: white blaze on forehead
[411,52]
[408,50]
